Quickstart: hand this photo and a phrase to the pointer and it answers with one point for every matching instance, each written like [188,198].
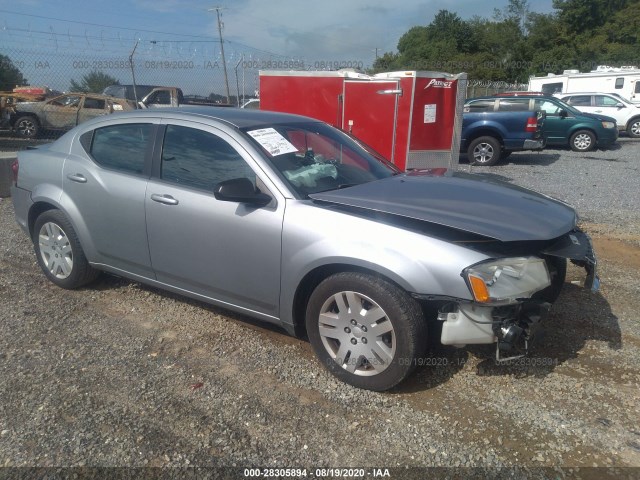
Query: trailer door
[370,113]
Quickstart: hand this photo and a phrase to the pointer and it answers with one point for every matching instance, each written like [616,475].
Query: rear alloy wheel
[582,141]
[27,127]
[365,330]
[633,129]
[484,151]
[59,253]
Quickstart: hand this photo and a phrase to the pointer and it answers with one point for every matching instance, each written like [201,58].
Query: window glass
[315,157]
[619,82]
[480,106]
[161,97]
[94,103]
[605,101]
[513,105]
[547,106]
[66,101]
[637,90]
[121,147]
[551,88]
[200,159]
[580,100]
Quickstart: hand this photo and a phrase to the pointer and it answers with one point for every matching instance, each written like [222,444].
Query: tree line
[517,42]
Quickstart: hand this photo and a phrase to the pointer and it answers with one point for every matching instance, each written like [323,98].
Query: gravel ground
[120,374]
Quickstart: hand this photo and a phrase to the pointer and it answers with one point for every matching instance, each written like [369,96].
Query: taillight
[15,166]
[532,125]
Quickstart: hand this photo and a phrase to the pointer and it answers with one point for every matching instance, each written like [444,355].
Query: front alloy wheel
[634,128]
[357,333]
[365,330]
[583,141]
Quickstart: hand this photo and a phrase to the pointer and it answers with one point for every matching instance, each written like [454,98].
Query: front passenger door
[225,251]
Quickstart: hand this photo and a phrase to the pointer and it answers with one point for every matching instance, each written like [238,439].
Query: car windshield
[314,157]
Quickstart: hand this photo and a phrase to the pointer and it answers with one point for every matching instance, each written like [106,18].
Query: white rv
[625,81]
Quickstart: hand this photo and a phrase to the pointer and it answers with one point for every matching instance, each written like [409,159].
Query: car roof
[237,117]
[573,94]
[519,94]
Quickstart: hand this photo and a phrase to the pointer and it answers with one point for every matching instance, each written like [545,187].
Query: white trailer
[625,81]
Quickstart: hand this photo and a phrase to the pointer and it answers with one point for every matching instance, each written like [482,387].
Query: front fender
[317,236]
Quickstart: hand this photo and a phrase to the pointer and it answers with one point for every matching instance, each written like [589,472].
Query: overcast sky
[54,42]
[327,29]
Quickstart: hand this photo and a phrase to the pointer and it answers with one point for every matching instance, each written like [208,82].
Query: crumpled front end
[512,295]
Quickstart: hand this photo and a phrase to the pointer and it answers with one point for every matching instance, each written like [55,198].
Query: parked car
[489,136]
[563,125]
[289,220]
[62,113]
[128,92]
[627,114]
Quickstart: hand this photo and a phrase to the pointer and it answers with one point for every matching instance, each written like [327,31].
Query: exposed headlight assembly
[506,280]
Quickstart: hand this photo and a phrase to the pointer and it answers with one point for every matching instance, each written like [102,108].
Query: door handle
[77,177]
[164,199]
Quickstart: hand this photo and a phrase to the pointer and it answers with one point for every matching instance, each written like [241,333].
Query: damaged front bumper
[512,327]
[577,247]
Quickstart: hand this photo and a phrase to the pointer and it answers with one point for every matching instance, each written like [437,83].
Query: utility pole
[224,62]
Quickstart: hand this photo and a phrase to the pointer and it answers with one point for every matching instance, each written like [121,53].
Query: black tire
[394,352]
[484,151]
[633,127]
[59,253]
[558,272]
[583,141]
[27,126]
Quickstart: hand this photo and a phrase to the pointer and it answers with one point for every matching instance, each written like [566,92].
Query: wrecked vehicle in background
[291,221]
[8,101]
[62,113]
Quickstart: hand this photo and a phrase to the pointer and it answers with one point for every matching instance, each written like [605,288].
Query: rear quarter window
[120,147]
[480,106]
[513,105]
[579,100]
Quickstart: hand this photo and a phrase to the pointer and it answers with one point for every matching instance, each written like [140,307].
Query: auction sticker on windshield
[272,141]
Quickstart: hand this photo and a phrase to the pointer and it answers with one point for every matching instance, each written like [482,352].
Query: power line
[136,30]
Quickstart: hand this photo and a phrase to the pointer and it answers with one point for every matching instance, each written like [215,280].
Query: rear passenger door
[92,107]
[225,251]
[104,183]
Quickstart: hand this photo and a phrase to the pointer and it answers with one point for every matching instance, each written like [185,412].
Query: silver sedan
[291,221]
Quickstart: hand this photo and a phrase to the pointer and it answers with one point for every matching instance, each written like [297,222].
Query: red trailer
[413,118]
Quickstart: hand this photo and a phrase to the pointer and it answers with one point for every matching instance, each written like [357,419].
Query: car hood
[601,118]
[472,203]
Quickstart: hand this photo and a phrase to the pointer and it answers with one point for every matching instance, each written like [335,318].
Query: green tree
[516,42]
[10,75]
[93,82]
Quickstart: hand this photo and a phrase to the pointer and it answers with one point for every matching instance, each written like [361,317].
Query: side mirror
[620,105]
[563,113]
[240,190]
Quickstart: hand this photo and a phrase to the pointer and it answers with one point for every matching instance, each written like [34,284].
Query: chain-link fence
[52,70]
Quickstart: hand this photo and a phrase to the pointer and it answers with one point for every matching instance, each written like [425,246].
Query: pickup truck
[488,137]
[173,97]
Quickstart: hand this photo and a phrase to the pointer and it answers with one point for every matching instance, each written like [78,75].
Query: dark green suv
[564,125]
